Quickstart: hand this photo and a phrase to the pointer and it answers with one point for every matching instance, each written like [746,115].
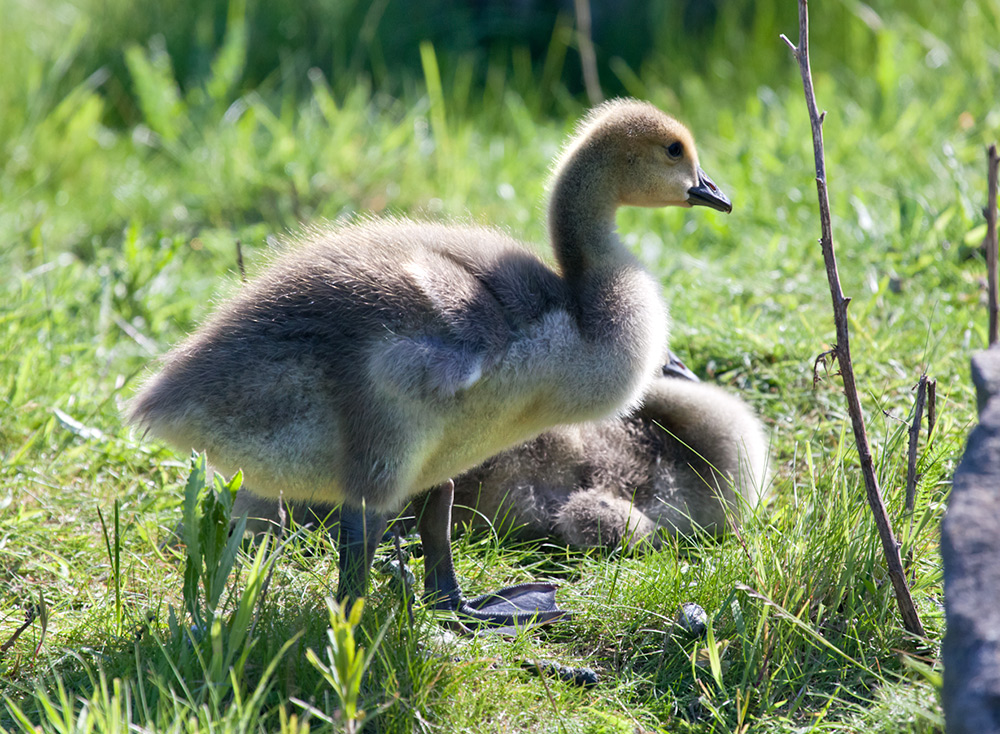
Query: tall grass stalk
[114,559]
[435,91]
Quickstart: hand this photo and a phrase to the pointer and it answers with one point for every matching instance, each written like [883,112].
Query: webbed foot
[521,606]
[503,611]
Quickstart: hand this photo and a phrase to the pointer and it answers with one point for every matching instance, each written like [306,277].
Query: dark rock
[986,375]
[970,548]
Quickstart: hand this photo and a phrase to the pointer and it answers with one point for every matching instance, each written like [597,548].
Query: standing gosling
[375,361]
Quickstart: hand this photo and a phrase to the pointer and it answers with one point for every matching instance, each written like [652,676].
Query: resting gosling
[690,459]
[375,361]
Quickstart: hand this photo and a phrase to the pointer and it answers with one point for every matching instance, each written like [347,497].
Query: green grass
[126,181]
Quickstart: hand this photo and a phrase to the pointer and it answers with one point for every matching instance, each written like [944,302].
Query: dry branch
[842,349]
[911,454]
[990,243]
[29,617]
[911,461]
[931,408]
[239,261]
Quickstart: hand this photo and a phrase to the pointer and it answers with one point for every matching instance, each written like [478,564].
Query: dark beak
[706,193]
[675,368]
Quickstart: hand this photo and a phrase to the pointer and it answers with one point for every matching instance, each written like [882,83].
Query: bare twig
[911,467]
[990,243]
[911,455]
[588,59]
[29,617]
[890,547]
[931,408]
[239,261]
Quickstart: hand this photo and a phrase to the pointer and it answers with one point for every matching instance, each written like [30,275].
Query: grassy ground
[117,237]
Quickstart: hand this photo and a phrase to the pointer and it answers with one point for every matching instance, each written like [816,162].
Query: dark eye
[674,150]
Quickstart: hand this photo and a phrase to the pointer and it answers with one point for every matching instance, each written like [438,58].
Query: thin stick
[29,617]
[588,59]
[911,468]
[990,243]
[842,349]
[239,261]
[931,408]
[911,458]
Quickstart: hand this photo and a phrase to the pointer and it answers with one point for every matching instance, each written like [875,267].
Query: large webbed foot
[525,605]
[530,605]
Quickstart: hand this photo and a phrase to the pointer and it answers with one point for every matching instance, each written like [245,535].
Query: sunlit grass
[115,240]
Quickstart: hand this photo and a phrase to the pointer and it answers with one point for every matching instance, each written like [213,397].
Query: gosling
[691,460]
[375,361]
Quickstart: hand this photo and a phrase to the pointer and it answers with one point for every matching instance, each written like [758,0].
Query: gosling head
[648,158]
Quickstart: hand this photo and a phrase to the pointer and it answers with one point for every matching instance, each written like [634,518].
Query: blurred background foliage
[354,41]
[529,43]
[229,95]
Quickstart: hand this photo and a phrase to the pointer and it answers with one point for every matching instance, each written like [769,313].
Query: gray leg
[360,533]
[526,604]
[434,522]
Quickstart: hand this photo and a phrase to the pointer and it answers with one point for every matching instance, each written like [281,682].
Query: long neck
[620,319]
[582,216]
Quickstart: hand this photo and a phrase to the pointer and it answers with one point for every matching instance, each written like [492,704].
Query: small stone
[692,619]
[397,573]
[583,677]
